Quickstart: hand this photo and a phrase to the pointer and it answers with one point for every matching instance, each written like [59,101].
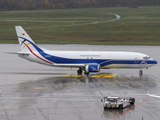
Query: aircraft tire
[140,72]
[79,72]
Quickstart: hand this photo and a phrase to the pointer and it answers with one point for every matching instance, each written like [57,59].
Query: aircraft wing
[156,96]
[69,65]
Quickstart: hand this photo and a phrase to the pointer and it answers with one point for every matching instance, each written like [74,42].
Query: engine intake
[92,68]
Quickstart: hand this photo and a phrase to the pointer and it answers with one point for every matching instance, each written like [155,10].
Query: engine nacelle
[92,68]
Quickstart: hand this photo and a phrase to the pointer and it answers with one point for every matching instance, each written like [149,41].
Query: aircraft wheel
[140,72]
[79,71]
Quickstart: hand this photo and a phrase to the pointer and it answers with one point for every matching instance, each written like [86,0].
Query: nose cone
[151,63]
[154,62]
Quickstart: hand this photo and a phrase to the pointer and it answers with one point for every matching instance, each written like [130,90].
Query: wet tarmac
[30,91]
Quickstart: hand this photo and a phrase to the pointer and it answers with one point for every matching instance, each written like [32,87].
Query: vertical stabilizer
[26,43]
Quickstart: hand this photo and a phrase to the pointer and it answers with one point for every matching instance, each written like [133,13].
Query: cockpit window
[146,57]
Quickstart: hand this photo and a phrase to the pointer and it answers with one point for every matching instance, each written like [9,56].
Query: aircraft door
[136,59]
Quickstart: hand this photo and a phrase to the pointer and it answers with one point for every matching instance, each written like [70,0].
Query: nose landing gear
[140,72]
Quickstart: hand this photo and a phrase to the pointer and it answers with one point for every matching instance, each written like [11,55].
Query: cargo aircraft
[87,61]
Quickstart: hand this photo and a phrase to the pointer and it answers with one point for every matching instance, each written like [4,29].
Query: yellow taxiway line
[100,75]
[71,75]
[104,75]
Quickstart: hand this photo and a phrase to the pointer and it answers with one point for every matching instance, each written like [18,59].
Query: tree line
[63,4]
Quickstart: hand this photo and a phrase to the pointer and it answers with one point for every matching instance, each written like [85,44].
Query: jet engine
[92,68]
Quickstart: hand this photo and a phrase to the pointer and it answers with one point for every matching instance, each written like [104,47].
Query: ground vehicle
[117,102]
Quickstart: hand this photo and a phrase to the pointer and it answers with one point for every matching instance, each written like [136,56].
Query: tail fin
[26,43]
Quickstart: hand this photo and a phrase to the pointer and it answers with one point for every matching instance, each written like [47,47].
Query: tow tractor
[117,102]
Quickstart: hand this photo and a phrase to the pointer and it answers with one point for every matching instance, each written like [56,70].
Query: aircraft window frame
[146,57]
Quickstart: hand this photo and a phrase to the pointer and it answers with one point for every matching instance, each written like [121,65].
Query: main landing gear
[140,72]
[80,71]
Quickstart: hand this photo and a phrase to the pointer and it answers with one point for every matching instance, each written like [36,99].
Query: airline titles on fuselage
[90,55]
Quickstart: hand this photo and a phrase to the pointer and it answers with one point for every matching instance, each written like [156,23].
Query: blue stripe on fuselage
[102,62]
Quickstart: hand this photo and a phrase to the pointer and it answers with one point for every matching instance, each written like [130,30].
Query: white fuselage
[89,61]
[109,59]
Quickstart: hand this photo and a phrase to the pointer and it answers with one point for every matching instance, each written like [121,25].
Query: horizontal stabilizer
[11,53]
[18,53]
